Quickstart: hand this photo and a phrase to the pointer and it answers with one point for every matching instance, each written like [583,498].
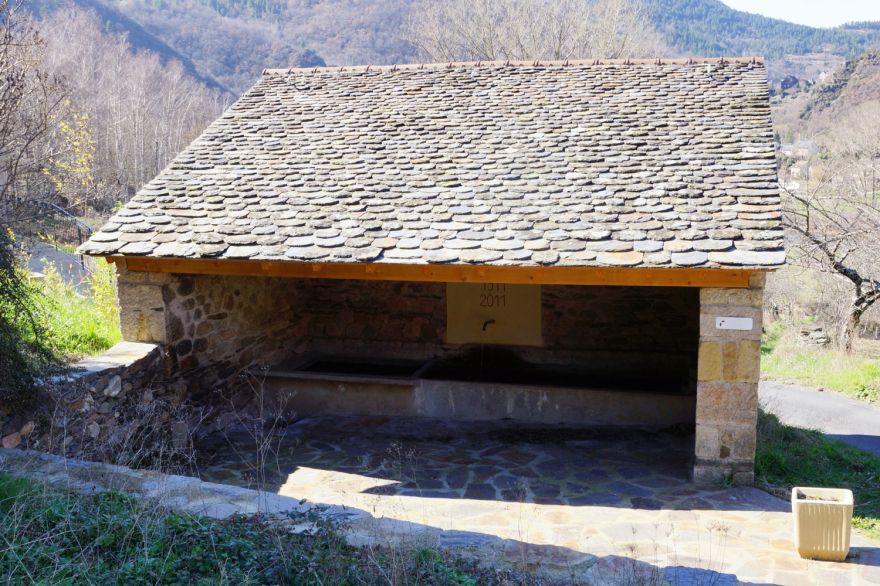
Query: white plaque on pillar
[734,323]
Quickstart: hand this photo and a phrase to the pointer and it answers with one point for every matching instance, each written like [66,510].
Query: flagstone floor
[596,507]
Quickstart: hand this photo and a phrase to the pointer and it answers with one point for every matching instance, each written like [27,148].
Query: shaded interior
[628,338]
[499,364]
[362,367]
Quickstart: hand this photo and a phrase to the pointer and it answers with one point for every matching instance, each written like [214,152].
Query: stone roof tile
[621,164]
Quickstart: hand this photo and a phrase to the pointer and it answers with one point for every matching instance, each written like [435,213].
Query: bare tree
[487,30]
[136,111]
[28,98]
[835,218]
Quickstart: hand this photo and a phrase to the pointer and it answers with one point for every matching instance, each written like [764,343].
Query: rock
[12,440]
[616,570]
[114,387]
[94,430]
[748,257]
[12,424]
[630,258]
[26,429]
[815,335]
[179,435]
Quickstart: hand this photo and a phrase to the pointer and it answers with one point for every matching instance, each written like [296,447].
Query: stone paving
[467,461]
[597,507]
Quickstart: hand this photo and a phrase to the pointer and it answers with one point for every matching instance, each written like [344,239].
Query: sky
[821,13]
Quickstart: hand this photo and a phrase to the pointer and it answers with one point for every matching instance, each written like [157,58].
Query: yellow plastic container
[822,518]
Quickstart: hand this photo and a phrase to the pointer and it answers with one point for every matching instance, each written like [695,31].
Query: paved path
[848,420]
[67,265]
[723,536]
[598,508]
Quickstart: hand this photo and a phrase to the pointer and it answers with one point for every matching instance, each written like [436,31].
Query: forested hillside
[709,27]
[114,115]
[228,42]
[138,39]
[233,40]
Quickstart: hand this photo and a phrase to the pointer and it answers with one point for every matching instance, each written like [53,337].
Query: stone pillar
[727,384]
[142,305]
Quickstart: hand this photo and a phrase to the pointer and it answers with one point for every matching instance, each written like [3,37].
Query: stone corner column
[142,305]
[728,370]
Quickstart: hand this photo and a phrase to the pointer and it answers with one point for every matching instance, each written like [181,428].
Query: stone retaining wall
[121,369]
[120,407]
[88,397]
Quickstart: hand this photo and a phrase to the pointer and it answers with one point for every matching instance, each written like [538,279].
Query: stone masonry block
[737,443]
[715,473]
[737,361]
[741,361]
[741,297]
[757,280]
[744,476]
[141,313]
[710,362]
[727,402]
[710,474]
[707,443]
[725,443]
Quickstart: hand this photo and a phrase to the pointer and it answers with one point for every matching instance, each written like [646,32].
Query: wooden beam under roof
[446,273]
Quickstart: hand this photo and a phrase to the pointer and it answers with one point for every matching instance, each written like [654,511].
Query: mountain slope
[116,21]
[231,41]
[711,28]
[234,40]
[856,84]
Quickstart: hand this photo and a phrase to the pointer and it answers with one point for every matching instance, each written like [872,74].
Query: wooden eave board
[449,273]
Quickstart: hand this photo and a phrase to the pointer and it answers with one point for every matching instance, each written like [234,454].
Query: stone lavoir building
[564,243]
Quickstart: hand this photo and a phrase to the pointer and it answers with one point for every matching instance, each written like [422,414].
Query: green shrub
[79,325]
[43,322]
[772,333]
[24,354]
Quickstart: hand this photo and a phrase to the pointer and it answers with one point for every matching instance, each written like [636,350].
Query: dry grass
[786,359]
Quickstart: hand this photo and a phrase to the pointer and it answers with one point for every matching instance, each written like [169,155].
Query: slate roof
[626,164]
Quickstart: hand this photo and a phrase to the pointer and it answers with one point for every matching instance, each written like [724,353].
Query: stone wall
[213,327]
[727,387]
[117,407]
[627,327]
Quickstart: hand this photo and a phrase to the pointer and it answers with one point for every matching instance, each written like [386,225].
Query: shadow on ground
[498,461]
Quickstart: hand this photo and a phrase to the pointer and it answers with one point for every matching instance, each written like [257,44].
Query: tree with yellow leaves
[71,168]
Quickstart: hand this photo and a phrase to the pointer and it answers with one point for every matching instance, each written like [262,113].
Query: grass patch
[57,537]
[789,456]
[12,488]
[785,359]
[79,325]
